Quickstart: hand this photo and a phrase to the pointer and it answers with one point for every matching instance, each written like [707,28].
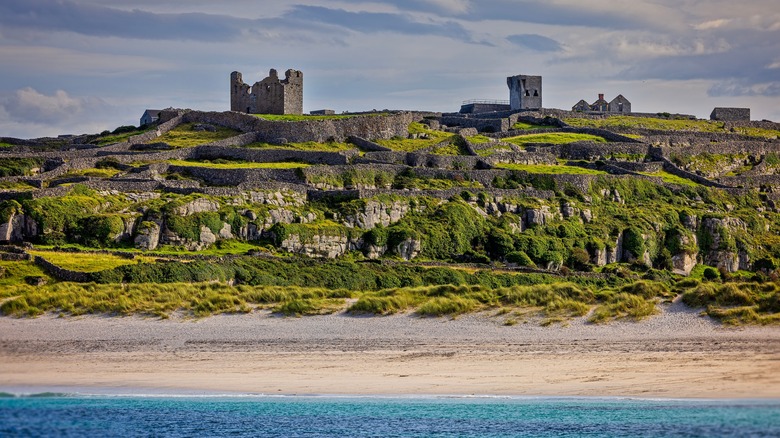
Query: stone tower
[525,92]
[269,96]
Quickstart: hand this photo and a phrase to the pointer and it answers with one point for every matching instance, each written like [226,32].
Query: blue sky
[82,66]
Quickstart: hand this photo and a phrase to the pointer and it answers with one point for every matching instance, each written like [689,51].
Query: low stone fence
[423,160]
[674,170]
[479,123]
[650,167]
[367,145]
[593,151]
[61,273]
[755,148]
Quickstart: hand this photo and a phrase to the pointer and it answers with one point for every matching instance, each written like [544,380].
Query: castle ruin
[269,96]
[525,92]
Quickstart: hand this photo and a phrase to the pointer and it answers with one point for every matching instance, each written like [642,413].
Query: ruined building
[269,96]
[618,105]
[525,92]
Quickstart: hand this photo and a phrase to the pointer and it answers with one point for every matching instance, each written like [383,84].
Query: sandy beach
[676,354]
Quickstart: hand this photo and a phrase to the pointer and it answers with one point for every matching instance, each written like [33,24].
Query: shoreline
[674,355]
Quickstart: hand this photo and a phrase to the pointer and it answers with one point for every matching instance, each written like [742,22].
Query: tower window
[536,93]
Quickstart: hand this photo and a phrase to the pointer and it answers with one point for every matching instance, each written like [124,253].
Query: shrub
[519,258]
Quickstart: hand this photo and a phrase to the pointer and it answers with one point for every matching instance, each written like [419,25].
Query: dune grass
[553,138]
[552,169]
[733,303]
[231,164]
[184,136]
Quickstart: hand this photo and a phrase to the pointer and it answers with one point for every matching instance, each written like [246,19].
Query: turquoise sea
[54,415]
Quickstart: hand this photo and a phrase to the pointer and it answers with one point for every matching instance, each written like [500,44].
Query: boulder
[147,236]
[199,205]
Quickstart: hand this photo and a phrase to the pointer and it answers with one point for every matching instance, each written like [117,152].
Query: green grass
[305,146]
[554,138]
[415,144]
[629,122]
[225,164]
[5,145]
[479,139]
[671,178]
[92,172]
[550,169]
[16,186]
[14,273]
[523,125]
[183,136]
[118,138]
[85,262]
[492,150]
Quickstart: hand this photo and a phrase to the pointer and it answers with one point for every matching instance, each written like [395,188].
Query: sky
[84,66]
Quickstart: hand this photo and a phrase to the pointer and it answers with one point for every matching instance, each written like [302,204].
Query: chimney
[601,96]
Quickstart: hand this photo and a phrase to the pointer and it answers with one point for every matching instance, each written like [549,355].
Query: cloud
[739,88]
[85,19]
[374,22]
[535,42]
[32,113]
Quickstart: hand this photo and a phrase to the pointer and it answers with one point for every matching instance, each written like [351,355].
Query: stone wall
[61,273]
[730,114]
[370,127]
[481,124]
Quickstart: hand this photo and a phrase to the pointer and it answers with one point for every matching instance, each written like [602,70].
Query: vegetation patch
[185,136]
[85,262]
[329,146]
[672,178]
[523,125]
[420,137]
[19,166]
[221,163]
[657,124]
[553,138]
[552,169]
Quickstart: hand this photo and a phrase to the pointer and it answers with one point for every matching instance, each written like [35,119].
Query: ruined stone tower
[269,96]
[525,92]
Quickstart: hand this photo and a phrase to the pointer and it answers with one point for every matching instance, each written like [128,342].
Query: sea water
[53,415]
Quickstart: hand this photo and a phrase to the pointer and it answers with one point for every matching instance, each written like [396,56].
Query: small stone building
[731,114]
[581,106]
[619,105]
[150,116]
[525,92]
[269,96]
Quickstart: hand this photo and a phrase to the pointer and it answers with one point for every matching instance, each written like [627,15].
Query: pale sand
[677,354]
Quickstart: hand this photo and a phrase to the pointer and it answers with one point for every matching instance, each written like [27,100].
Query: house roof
[152,111]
